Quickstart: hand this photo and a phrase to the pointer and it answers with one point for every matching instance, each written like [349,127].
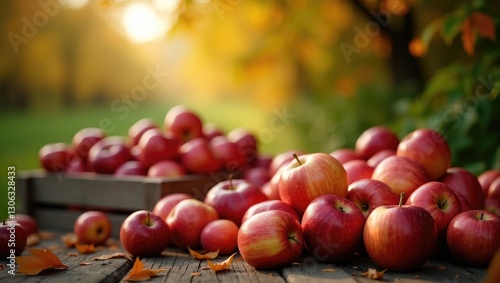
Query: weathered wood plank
[310,270]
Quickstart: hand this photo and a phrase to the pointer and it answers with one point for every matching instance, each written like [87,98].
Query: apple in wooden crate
[137,129]
[183,123]
[108,154]
[156,146]
[84,139]
[55,157]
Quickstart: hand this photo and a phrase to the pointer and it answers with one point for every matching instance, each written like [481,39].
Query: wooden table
[182,266]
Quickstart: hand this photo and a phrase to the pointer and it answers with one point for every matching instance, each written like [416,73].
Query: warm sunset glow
[142,24]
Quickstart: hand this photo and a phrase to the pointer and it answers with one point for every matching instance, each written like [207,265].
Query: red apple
[373,140]
[12,240]
[54,157]
[357,169]
[400,237]
[246,143]
[440,201]
[220,234]
[131,168]
[428,148]
[76,165]
[136,131]
[211,131]
[257,176]
[165,204]
[344,155]
[464,203]
[473,237]
[486,178]
[29,224]
[155,146]
[269,205]
[84,139]
[401,174]
[232,198]
[379,156]
[492,205]
[369,194]
[271,191]
[494,189]
[232,160]
[197,157]
[186,221]
[108,154]
[333,228]
[264,161]
[309,176]
[282,159]
[270,240]
[166,168]
[92,227]
[461,181]
[144,234]
[183,123]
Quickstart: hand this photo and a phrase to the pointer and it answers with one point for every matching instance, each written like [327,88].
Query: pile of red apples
[398,201]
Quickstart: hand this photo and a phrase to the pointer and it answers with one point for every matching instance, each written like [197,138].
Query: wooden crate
[56,200]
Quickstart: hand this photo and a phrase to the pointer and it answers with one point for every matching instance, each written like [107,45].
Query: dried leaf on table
[195,273]
[72,254]
[69,240]
[372,273]
[328,270]
[46,235]
[32,240]
[198,255]
[85,249]
[115,255]
[221,265]
[85,263]
[38,261]
[139,273]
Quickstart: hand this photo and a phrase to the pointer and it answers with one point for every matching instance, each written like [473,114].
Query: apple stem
[148,220]
[297,158]
[341,209]
[481,217]
[401,197]
[231,181]
[442,203]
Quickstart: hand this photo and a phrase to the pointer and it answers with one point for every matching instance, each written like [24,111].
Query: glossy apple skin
[318,174]
[166,168]
[270,240]
[144,234]
[492,205]
[269,205]
[357,170]
[486,178]
[473,240]
[461,181]
[220,234]
[246,142]
[379,156]
[428,148]
[282,159]
[92,227]
[163,206]
[211,131]
[54,157]
[401,174]
[232,160]
[369,194]
[232,198]
[84,139]
[494,189]
[76,165]
[400,238]
[130,168]
[440,201]
[263,161]
[136,131]
[156,146]
[5,233]
[29,224]
[197,157]
[344,155]
[375,139]
[183,123]
[108,154]
[257,176]
[333,228]
[186,221]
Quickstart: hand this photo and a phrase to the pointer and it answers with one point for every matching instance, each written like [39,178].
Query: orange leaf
[69,240]
[85,263]
[115,255]
[85,249]
[328,270]
[468,38]
[38,261]
[139,273]
[32,240]
[46,235]
[209,255]
[221,265]
[484,25]
[372,273]
[195,273]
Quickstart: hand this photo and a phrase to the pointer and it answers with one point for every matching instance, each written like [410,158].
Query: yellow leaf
[221,265]
[139,273]
[115,255]
[209,255]
[372,273]
[85,249]
[38,261]
[468,38]
[484,25]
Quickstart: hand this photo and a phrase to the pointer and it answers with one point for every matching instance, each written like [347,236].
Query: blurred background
[324,70]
